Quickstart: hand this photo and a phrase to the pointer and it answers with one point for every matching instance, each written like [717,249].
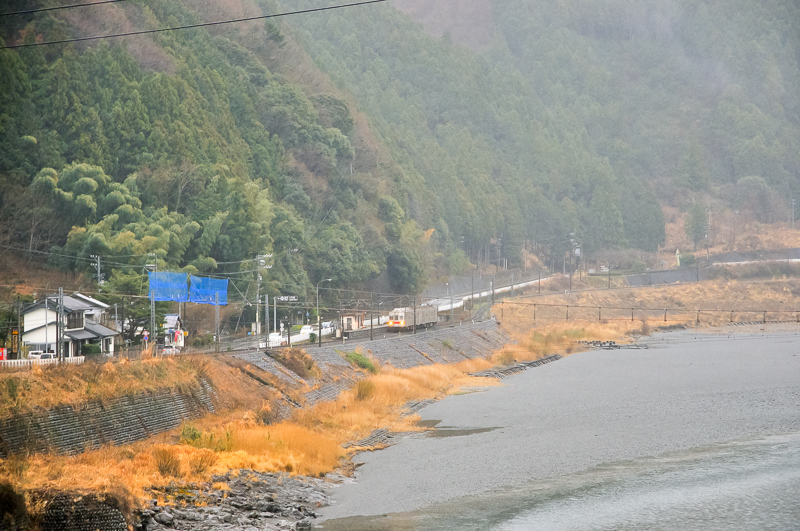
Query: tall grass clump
[364,389]
[359,360]
[201,461]
[298,361]
[167,461]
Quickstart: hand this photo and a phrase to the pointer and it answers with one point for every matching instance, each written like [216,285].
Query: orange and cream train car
[403,318]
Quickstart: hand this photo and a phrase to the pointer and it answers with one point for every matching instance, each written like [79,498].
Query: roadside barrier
[30,362]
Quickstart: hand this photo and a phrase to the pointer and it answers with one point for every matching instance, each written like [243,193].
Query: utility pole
[415,314]
[100,280]
[60,325]
[450,294]
[257,331]
[266,320]
[472,293]
[154,265]
[216,317]
[46,324]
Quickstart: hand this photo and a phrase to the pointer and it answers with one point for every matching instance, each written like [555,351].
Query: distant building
[174,335]
[82,317]
[352,321]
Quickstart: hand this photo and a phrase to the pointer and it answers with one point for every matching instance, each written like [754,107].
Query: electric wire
[42,9]
[191,26]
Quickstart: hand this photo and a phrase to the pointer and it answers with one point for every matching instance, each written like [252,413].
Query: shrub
[312,338]
[688,260]
[90,349]
[361,361]
[364,389]
[191,435]
[268,414]
[167,461]
[297,361]
[505,358]
[202,461]
[203,340]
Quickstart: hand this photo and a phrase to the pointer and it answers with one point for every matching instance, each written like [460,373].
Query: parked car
[170,350]
[275,339]
[308,329]
[39,355]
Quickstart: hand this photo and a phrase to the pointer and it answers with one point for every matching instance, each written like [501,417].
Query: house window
[74,320]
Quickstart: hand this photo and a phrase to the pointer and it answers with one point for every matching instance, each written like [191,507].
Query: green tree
[696,224]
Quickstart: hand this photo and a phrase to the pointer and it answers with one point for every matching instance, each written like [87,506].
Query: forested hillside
[361,145]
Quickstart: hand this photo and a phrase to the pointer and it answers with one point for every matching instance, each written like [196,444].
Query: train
[403,318]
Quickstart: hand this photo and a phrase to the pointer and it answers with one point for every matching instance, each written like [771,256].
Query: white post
[216,308]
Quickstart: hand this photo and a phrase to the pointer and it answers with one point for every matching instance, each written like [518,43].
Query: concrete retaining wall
[443,345]
[70,430]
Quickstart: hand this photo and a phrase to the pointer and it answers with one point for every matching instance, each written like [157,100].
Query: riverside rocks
[242,499]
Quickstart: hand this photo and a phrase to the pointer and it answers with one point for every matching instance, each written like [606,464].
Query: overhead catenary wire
[191,26]
[55,8]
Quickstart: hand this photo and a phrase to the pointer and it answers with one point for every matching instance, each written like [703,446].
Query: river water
[731,486]
[689,435]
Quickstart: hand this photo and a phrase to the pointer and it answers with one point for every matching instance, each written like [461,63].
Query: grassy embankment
[311,442]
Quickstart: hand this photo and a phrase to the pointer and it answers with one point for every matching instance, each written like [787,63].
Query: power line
[190,26]
[41,9]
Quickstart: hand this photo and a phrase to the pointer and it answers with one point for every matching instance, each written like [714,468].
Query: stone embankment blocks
[73,429]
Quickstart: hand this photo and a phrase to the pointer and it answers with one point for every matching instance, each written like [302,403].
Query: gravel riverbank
[590,408]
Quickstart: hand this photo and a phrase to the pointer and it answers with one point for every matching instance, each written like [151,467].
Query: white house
[40,330]
[98,311]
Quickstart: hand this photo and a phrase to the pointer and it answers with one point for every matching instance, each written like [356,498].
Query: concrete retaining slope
[445,345]
[70,429]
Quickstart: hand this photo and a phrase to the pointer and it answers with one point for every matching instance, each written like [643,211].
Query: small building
[40,326]
[174,335]
[352,321]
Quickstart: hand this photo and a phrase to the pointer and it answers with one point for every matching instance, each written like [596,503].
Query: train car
[403,318]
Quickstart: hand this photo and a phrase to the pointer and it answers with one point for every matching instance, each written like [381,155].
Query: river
[700,432]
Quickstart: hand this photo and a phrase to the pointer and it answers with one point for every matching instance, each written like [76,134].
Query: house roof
[90,301]
[171,320]
[80,334]
[71,304]
[98,329]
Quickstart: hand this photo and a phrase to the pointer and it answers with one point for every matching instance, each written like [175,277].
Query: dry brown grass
[52,385]
[298,361]
[618,314]
[310,443]
[167,461]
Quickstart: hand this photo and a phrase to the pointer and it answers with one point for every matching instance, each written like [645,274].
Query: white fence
[28,363]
